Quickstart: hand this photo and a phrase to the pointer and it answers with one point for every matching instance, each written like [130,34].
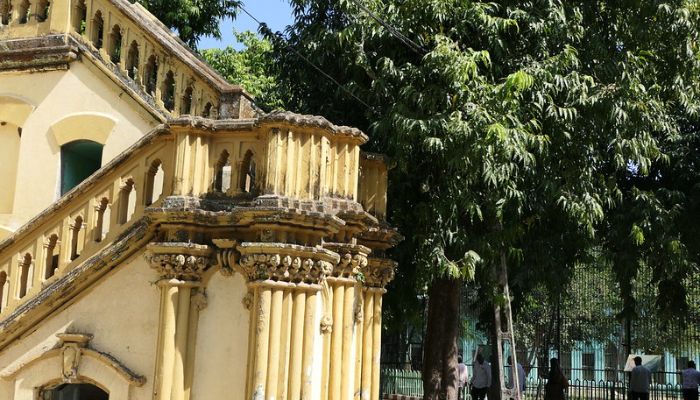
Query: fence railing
[409,383]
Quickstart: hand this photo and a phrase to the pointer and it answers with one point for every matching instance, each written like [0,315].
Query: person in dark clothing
[557,383]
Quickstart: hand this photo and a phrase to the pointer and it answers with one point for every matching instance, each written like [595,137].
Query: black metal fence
[409,383]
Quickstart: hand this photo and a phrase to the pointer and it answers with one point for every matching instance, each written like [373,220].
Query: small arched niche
[79,160]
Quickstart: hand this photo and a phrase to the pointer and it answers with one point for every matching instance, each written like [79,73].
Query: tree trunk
[440,351]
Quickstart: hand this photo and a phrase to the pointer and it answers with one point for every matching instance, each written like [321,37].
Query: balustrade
[129,40]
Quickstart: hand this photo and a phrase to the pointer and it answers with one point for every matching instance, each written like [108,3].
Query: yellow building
[161,238]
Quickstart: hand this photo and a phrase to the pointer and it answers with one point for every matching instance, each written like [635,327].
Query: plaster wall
[220,367]
[95,108]
[122,314]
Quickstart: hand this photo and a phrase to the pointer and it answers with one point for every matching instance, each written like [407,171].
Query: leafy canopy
[192,19]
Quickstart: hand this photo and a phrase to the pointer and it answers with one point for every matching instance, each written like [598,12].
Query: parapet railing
[134,43]
[281,161]
[85,220]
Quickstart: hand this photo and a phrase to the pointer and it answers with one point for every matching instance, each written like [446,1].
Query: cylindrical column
[297,345]
[252,341]
[285,345]
[262,333]
[367,344]
[168,326]
[376,343]
[273,357]
[337,342]
[327,339]
[310,332]
[182,326]
[348,327]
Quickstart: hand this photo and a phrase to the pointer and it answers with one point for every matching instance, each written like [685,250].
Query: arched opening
[3,289]
[51,260]
[150,75]
[248,173]
[222,175]
[115,44]
[24,268]
[42,10]
[81,391]
[98,27]
[206,113]
[154,182]
[102,220]
[5,11]
[168,91]
[80,17]
[186,106]
[127,201]
[24,7]
[76,241]
[79,160]
[132,60]
[9,154]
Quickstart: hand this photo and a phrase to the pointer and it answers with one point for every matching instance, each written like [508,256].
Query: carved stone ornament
[248,300]
[286,268]
[326,325]
[179,266]
[199,300]
[350,265]
[379,272]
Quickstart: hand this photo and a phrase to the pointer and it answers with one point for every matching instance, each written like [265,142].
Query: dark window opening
[25,265]
[98,30]
[79,160]
[115,45]
[3,283]
[132,61]
[75,392]
[51,257]
[186,106]
[24,12]
[248,173]
[206,113]
[5,12]
[588,366]
[43,10]
[80,17]
[169,91]
[151,75]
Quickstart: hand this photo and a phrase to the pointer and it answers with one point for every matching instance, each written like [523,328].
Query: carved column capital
[279,262]
[181,261]
[353,259]
[379,272]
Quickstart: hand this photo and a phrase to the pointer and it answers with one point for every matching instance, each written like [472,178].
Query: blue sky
[276,13]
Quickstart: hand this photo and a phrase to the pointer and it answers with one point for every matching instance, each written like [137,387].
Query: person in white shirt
[640,377]
[481,380]
[521,375]
[462,376]
[691,381]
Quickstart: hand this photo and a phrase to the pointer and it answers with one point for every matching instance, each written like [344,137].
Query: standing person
[691,381]
[462,376]
[521,375]
[481,380]
[640,377]
[557,382]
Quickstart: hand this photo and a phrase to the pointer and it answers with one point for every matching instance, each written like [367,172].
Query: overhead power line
[306,60]
[395,32]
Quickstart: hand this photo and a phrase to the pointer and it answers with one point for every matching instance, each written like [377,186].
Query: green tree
[521,132]
[192,19]
[252,67]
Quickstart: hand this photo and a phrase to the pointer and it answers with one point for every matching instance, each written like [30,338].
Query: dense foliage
[192,19]
[251,67]
[525,134]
